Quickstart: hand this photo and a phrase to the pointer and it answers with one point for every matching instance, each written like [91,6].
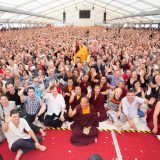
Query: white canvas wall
[73,19]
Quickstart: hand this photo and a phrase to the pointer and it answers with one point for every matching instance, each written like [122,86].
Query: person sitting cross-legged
[130,106]
[113,107]
[84,128]
[54,116]
[19,135]
[34,108]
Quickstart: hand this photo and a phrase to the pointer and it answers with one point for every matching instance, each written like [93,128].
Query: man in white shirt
[55,102]
[19,140]
[130,105]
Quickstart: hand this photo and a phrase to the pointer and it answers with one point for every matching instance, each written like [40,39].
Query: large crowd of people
[81,75]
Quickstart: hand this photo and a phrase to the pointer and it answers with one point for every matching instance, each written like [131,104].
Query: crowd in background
[113,68]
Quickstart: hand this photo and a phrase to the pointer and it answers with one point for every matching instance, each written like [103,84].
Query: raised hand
[70,109]
[81,74]
[50,83]
[26,84]
[89,89]
[7,118]
[21,92]
[42,87]
[151,101]
[73,93]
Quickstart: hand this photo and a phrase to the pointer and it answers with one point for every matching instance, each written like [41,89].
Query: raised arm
[5,125]
[72,97]
[22,97]
[89,92]
[71,112]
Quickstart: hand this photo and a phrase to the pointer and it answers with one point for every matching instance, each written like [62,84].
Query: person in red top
[127,75]
[84,128]
[76,96]
[104,86]
[67,92]
[97,100]
[153,119]
[84,84]
[1,71]
[121,85]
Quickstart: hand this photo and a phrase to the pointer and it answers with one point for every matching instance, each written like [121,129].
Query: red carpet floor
[133,146]
[60,148]
[139,146]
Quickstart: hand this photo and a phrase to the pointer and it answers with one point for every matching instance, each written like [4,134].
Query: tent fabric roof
[50,11]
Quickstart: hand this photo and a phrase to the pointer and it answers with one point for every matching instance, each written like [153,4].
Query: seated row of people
[53,109]
[84,110]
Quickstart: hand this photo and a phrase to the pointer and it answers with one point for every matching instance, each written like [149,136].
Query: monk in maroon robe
[97,100]
[76,97]
[94,77]
[84,128]
[121,85]
[153,119]
[104,87]
[67,92]
[84,84]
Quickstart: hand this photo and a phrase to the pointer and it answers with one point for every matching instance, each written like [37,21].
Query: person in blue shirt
[38,87]
[114,79]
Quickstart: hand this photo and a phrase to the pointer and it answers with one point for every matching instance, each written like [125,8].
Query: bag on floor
[140,113]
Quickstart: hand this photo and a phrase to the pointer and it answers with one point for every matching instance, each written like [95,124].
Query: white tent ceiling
[50,11]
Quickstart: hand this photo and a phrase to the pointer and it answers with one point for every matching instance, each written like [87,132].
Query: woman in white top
[5,106]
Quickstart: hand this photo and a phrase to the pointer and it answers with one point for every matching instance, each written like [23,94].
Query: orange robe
[82,53]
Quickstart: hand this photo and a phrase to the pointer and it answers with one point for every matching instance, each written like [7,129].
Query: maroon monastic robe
[150,119]
[76,101]
[81,121]
[103,89]
[84,86]
[97,77]
[98,104]
[66,98]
